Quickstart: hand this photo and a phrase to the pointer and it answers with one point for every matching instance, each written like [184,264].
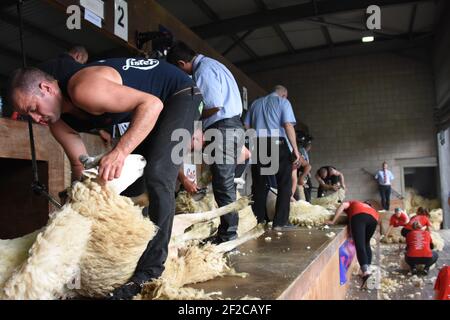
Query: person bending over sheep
[154,96]
[329,180]
[398,219]
[419,248]
[423,216]
[363,220]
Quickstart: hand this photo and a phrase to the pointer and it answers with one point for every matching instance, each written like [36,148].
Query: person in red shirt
[419,248]
[442,284]
[423,216]
[363,220]
[398,219]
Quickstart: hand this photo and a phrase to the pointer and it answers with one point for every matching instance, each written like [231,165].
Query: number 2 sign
[121,19]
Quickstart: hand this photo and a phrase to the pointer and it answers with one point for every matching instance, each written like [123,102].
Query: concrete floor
[272,265]
[409,288]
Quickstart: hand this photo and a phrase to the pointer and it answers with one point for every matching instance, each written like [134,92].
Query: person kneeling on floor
[419,247]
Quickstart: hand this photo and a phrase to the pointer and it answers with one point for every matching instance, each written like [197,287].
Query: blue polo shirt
[218,87]
[270,113]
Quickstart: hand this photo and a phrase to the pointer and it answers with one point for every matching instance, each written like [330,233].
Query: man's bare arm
[72,144]
[98,95]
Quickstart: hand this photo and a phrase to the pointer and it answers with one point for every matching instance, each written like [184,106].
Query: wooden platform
[284,268]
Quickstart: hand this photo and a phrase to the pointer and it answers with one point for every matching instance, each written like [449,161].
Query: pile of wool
[162,290]
[186,203]
[331,201]
[438,241]
[98,234]
[389,285]
[436,218]
[53,260]
[305,214]
[203,230]
[193,263]
[247,221]
[13,253]
[412,201]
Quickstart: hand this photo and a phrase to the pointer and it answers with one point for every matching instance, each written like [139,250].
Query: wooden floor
[276,265]
[408,290]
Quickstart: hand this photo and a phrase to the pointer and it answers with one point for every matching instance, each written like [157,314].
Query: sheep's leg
[230,245]
[183,221]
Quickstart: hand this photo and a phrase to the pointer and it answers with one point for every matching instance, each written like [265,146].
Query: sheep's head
[132,170]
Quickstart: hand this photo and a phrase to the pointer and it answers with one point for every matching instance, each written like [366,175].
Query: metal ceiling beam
[351,28]
[236,43]
[323,52]
[214,17]
[278,30]
[326,33]
[287,14]
[35,30]
[412,20]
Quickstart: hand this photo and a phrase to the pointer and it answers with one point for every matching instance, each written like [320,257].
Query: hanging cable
[36,186]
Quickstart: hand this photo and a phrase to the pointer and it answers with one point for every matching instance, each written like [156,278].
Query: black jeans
[160,174]
[428,262]
[363,227]
[385,194]
[284,182]
[223,172]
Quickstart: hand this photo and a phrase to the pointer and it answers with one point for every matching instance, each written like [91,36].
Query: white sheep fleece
[53,259]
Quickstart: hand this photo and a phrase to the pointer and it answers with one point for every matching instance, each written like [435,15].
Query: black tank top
[153,76]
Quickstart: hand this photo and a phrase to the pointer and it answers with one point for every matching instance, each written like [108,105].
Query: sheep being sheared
[116,234]
[108,239]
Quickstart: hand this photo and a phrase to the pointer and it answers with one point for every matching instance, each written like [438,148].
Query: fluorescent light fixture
[368,39]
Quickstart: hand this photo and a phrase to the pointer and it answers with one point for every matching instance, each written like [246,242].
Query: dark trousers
[385,194]
[307,188]
[427,261]
[283,178]
[160,174]
[363,227]
[223,172]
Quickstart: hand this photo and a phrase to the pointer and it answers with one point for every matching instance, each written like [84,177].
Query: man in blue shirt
[222,111]
[384,178]
[273,119]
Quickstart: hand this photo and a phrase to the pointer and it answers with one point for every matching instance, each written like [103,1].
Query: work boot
[126,292]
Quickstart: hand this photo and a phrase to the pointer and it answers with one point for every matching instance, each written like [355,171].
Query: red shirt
[418,244]
[358,207]
[442,284]
[424,221]
[399,221]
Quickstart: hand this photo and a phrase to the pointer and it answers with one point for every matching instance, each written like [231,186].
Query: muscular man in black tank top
[154,96]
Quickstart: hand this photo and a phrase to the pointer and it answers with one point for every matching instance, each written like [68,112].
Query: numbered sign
[121,19]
